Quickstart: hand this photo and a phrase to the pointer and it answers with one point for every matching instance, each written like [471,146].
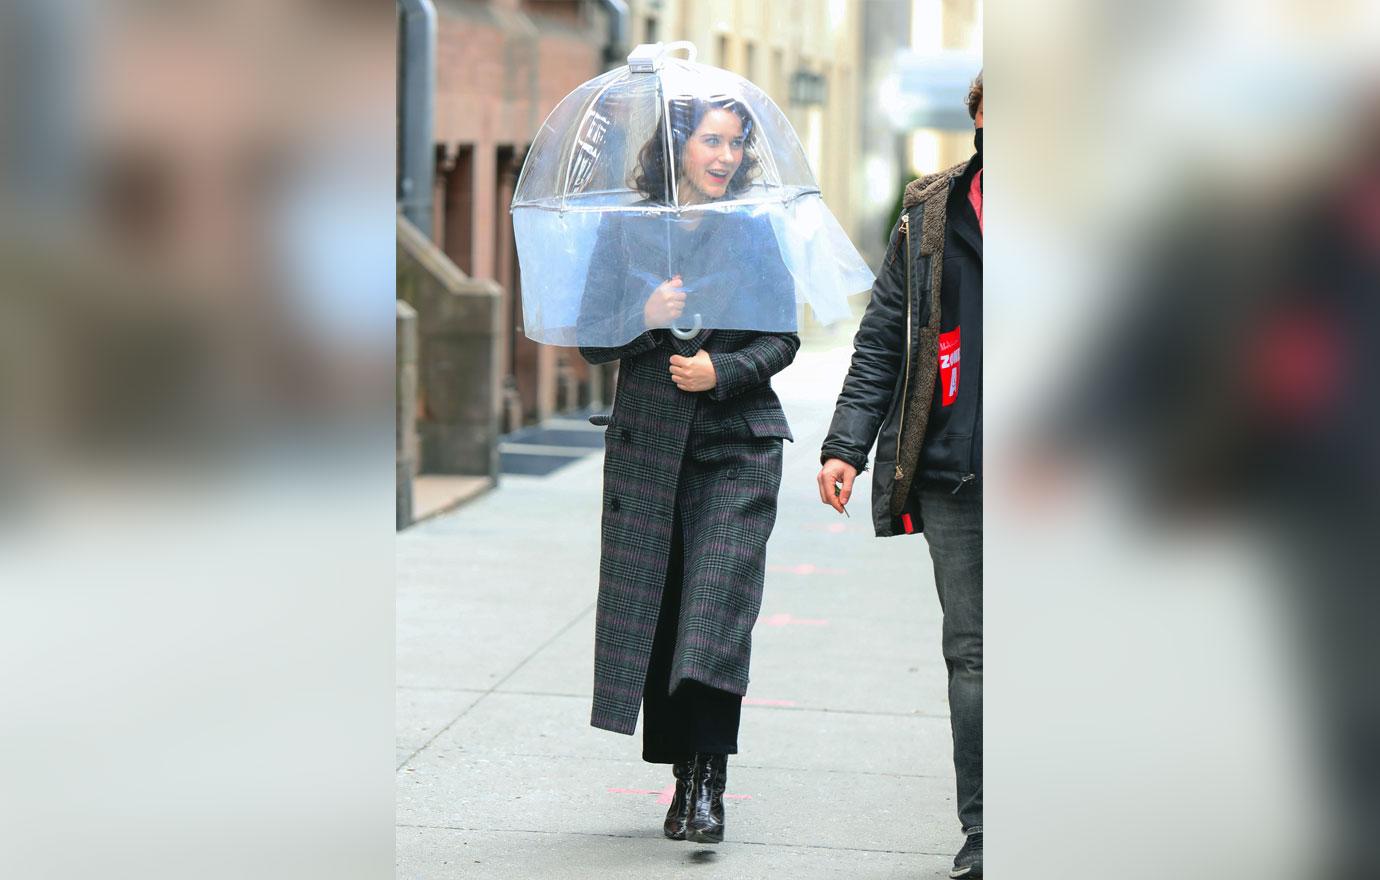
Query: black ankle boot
[706,823]
[679,812]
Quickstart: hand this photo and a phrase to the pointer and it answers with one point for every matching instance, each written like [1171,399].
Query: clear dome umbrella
[672,194]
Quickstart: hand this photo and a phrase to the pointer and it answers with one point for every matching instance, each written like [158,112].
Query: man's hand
[665,304]
[834,472]
[693,373]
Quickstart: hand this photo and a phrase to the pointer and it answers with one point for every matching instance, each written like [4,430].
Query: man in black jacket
[903,390]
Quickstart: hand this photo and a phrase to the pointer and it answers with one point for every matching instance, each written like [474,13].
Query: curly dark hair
[974,99]
[650,177]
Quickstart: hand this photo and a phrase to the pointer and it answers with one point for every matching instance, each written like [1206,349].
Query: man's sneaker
[968,862]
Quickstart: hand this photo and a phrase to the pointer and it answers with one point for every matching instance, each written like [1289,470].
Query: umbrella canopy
[674,177]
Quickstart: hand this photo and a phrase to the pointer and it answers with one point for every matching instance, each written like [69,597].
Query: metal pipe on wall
[616,50]
[416,101]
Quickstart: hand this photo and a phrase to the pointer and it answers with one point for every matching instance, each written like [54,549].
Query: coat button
[625,433]
[733,473]
[613,504]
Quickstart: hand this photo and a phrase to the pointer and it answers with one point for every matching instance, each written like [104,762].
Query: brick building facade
[502,66]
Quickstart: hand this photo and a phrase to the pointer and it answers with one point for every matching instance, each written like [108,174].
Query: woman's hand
[665,304]
[693,373]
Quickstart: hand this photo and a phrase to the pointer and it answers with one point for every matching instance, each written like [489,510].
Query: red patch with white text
[948,366]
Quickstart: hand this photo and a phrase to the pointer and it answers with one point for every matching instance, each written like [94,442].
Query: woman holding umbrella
[694,450]
[661,195]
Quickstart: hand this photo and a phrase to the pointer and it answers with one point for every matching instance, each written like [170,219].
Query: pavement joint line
[600,759]
[821,709]
[653,839]
[585,696]
[767,767]
[514,671]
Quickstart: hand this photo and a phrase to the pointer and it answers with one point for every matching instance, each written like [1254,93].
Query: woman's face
[711,157]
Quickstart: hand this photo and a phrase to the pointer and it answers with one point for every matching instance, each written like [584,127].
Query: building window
[751,62]
[723,52]
[457,227]
[649,29]
[809,89]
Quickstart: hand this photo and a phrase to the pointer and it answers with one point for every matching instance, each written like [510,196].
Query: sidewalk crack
[496,685]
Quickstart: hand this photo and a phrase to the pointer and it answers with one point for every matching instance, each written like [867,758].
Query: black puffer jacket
[889,394]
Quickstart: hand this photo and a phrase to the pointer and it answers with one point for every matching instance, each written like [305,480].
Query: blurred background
[196,420]
[874,90]
[1182,455]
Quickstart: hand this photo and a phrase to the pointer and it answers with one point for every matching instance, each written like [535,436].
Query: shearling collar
[920,190]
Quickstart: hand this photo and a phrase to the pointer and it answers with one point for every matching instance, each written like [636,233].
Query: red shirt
[975,197]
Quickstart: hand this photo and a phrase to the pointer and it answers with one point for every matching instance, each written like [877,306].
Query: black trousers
[697,717]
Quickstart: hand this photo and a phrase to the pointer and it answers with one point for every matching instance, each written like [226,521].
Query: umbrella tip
[649,57]
[646,58]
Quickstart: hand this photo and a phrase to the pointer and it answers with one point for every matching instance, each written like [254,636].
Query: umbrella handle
[692,332]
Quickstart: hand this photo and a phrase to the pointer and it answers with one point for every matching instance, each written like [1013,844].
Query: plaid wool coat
[710,461]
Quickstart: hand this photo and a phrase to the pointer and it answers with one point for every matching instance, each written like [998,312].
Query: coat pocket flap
[768,423]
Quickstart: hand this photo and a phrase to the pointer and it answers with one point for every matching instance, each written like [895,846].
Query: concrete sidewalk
[845,765]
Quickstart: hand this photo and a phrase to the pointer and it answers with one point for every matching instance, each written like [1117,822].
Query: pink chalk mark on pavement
[804,568]
[831,528]
[788,620]
[665,795]
[753,701]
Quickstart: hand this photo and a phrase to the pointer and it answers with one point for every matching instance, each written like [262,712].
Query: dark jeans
[697,717]
[953,527]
